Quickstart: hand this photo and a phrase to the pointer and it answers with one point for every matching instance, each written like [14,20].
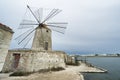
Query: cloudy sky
[93,25]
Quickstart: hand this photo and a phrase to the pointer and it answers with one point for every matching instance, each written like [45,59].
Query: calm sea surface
[112,64]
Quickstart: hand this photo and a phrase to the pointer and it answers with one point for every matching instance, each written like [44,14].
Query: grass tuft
[20,74]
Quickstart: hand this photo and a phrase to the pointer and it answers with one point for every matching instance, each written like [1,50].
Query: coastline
[111,64]
[70,73]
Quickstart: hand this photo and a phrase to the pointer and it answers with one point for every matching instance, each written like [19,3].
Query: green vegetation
[51,69]
[20,73]
[4,72]
[57,69]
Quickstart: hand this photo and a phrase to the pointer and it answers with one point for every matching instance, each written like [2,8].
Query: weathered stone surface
[31,61]
[5,38]
[42,39]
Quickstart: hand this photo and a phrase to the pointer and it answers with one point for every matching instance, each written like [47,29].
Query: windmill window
[46,45]
[46,30]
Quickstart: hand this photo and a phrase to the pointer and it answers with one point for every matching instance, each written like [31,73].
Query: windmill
[39,30]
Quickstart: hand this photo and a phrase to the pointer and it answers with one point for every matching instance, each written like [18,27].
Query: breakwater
[110,63]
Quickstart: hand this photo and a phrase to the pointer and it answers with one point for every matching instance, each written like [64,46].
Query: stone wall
[5,38]
[31,61]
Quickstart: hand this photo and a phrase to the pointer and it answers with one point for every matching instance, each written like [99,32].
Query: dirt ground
[70,73]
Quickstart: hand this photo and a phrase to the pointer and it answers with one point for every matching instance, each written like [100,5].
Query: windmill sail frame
[43,29]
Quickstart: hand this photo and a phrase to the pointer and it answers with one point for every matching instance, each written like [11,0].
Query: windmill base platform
[32,60]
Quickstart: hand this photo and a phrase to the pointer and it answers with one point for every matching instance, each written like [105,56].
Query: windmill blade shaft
[54,12]
[33,14]
[22,34]
[56,26]
[58,11]
[28,24]
[57,23]
[58,31]
[39,13]
[50,14]
[26,36]
[28,41]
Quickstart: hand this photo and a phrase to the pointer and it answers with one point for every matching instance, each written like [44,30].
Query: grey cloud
[94,25]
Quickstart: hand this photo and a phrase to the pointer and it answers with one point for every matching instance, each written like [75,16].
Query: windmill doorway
[16,60]
[46,45]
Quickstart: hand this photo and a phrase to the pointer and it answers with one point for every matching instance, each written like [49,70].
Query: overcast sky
[93,25]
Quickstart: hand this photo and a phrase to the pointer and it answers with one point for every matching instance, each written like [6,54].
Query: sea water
[112,64]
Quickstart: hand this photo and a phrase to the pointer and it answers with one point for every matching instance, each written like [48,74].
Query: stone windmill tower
[42,38]
[40,30]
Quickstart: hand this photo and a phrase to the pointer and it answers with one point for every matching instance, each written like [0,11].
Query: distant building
[111,54]
[118,54]
[5,38]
